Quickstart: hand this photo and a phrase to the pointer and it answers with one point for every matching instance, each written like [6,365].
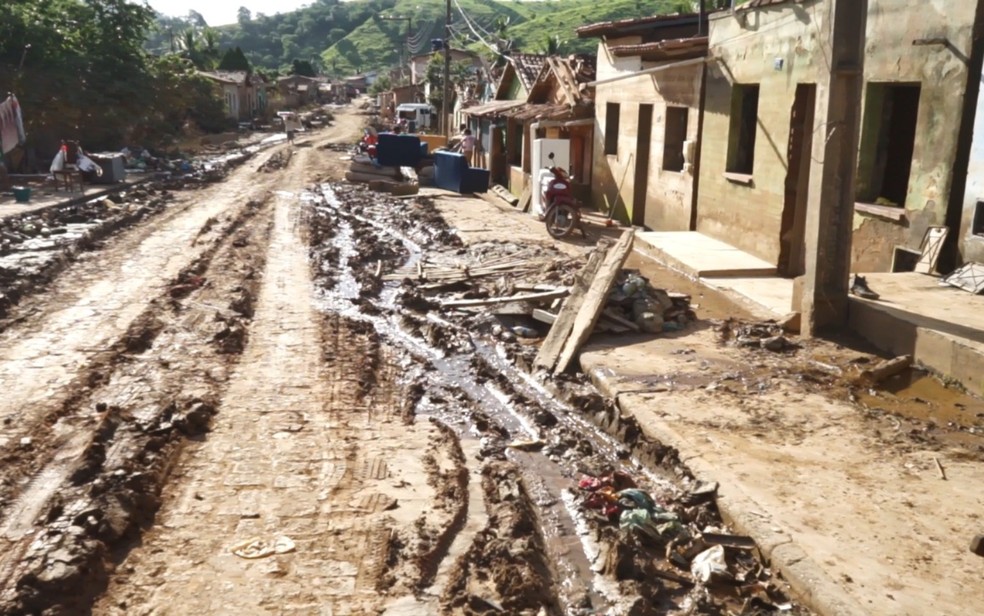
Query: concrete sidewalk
[42,199]
[857,519]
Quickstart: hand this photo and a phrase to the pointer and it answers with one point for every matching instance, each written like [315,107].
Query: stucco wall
[668,193]
[971,246]
[941,71]
[749,43]
[746,47]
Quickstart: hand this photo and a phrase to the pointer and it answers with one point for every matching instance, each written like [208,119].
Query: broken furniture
[451,172]
[68,179]
[113,165]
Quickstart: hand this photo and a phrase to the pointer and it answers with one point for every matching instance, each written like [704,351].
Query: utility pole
[830,205]
[446,98]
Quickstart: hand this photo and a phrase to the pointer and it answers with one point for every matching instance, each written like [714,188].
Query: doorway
[792,234]
[641,176]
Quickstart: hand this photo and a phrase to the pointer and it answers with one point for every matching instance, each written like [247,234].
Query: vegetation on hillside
[535,35]
[79,71]
[341,38]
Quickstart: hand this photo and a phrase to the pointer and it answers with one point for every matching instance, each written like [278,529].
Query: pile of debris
[768,335]
[649,541]
[600,298]
[398,181]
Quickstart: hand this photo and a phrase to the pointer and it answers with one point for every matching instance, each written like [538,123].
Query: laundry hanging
[11,125]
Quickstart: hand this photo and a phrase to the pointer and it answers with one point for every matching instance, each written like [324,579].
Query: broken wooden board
[504,194]
[610,313]
[525,200]
[492,301]
[932,245]
[553,344]
[544,316]
[595,299]
[970,278]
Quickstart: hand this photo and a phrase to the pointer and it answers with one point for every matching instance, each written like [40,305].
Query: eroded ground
[248,403]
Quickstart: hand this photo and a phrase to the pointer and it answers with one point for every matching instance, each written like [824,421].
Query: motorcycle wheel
[561,219]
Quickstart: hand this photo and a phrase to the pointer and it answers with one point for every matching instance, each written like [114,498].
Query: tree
[244,16]
[303,67]
[553,44]
[235,60]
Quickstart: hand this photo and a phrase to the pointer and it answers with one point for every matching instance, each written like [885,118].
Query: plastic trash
[525,332]
[710,564]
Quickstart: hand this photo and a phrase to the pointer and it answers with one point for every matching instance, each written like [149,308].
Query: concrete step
[941,327]
[701,256]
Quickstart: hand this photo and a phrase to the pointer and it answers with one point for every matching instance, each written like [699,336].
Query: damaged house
[559,105]
[647,118]
[758,129]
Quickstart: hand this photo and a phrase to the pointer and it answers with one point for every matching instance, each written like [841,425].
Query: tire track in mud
[94,304]
[480,389]
[28,443]
[311,443]
[113,451]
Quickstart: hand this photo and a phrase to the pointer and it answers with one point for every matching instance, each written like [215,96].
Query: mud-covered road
[227,408]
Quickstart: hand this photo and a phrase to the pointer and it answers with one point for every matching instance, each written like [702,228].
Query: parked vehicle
[563,212]
[418,116]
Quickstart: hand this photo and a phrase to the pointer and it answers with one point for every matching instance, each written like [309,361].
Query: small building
[560,104]
[647,117]
[244,93]
[759,129]
[299,90]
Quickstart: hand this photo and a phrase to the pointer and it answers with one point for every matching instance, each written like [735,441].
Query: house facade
[647,118]
[244,94]
[758,129]
[560,105]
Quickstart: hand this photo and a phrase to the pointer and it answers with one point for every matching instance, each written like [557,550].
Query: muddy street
[240,405]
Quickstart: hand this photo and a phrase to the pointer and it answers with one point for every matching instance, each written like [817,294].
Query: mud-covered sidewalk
[865,500]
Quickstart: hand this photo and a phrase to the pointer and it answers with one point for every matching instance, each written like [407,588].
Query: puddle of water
[921,396]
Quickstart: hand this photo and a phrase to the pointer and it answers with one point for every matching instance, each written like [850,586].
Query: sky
[221,12]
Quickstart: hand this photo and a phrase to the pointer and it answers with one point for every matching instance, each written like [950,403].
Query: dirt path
[269,419]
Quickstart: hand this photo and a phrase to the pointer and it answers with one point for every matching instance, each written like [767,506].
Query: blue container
[398,150]
[22,194]
[451,172]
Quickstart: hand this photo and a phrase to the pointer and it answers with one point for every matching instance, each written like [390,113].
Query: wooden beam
[595,299]
[492,301]
[553,344]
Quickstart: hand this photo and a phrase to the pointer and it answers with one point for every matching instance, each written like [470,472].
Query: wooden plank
[544,316]
[492,301]
[932,245]
[611,314]
[525,199]
[553,344]
[595,299]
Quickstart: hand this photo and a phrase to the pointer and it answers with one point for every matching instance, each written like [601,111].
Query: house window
[673,138]
[612,113]
[977,225]
[744,121]
[888,138]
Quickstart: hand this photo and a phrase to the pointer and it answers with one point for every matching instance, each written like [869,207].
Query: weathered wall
[668,193]
[748,44]
[941,71]
[746,47]
[971,246]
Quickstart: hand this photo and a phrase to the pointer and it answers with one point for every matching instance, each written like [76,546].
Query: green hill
[345,37]
[531,35]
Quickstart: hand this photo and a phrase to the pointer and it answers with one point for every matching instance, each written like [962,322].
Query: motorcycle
[367,145]
[563,212]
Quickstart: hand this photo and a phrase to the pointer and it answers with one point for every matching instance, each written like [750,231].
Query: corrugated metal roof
[606,28]
[549,111]
[491,108]
[673,49]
